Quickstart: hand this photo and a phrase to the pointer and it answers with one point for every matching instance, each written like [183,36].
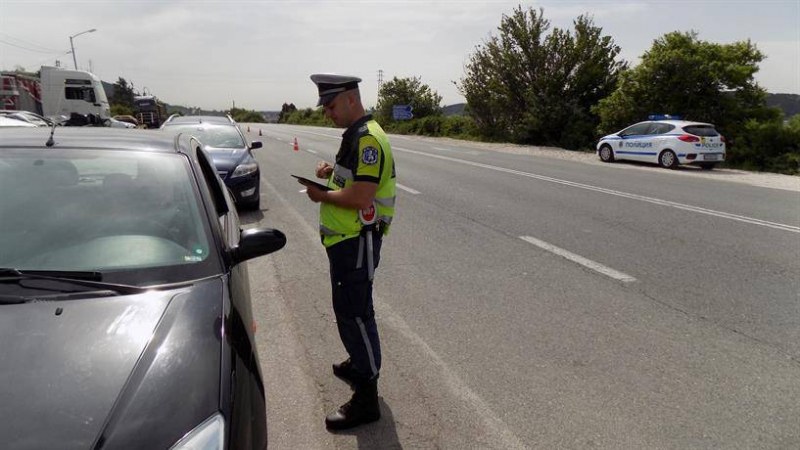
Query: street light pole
[74,59]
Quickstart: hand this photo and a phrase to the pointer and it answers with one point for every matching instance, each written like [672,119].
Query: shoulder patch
[369,155]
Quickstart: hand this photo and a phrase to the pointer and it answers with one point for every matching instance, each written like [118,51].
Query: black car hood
[100,369]
[226,159]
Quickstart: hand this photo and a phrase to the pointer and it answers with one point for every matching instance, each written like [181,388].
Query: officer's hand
[324,169]
[314,193]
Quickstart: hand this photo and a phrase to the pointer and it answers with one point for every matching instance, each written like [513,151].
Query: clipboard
[306,182]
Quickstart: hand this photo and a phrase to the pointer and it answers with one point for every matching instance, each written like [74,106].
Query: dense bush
[308,116]
[122,110]
[243,115]
[462,127]
[769,146]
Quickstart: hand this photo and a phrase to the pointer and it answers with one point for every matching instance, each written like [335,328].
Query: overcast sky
[259,54]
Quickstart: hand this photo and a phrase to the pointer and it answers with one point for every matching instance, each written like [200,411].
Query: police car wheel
[668,160]
[606,154]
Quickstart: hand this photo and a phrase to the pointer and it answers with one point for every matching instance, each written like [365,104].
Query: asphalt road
[534,302]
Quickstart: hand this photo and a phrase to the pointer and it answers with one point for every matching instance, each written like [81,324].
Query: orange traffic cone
[259,131]
[296,147]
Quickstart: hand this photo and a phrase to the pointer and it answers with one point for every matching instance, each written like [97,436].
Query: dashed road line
[588,263]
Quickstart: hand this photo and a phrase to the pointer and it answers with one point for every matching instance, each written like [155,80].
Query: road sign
[402,112]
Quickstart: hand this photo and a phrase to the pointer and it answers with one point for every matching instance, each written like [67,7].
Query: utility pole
[380,82]
[71,46]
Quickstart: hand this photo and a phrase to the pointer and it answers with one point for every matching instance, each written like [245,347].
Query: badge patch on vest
[370,155]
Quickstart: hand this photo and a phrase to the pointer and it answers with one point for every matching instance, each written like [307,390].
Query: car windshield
[217,136]
[133,216]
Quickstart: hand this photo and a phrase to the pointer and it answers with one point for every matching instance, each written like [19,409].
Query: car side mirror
[256,144]
[255,242]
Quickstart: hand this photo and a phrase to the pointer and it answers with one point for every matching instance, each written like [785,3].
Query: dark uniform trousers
[352,302]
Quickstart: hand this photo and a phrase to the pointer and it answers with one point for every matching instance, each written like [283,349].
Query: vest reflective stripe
[343,172]
[387,202]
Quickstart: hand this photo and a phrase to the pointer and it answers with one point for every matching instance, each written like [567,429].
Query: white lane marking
[407,189]
[454,150]
[655,201]
[320,134]
[309,150]
[588,263]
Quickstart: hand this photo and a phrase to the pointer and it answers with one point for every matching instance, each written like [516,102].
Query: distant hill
[454,110]
[788,103]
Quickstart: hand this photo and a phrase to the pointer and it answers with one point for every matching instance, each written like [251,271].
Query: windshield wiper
[10,299]
[79,278]
[71,274]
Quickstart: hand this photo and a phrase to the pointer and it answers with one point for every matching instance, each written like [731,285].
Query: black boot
[346,372]
[362,408]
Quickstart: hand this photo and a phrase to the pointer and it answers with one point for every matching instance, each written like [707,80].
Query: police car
[666,142]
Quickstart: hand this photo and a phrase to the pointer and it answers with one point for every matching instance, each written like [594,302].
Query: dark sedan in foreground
[230,152]
[125,310]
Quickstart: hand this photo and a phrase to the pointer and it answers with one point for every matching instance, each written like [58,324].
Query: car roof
[678,123]
[217,120]
[8,122]
[94,138]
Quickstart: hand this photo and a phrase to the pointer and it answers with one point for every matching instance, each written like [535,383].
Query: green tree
[245,115]
[533,88]
[309,116]
[286,110]
[407,91]
[122,110]
[767,145]
[698,80]
[123,96]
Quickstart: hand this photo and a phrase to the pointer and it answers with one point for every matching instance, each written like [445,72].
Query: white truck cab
[72,91]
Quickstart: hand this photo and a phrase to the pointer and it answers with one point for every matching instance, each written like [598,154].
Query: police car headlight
[209,435]
[244,169]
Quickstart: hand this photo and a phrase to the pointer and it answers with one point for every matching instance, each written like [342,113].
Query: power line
[28,49]
[28,45]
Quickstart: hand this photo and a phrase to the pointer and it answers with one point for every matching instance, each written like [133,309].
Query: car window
[134,214]
[212,135]
[701,130]
[635,130]
[661,128]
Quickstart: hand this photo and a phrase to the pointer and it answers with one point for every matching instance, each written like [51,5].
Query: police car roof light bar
[664,117]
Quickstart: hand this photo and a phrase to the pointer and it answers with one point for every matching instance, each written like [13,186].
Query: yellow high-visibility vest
[364,155]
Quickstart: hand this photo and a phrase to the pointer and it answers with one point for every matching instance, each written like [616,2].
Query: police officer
[354,216]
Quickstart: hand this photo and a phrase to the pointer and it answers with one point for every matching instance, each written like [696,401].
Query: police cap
[331,85]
